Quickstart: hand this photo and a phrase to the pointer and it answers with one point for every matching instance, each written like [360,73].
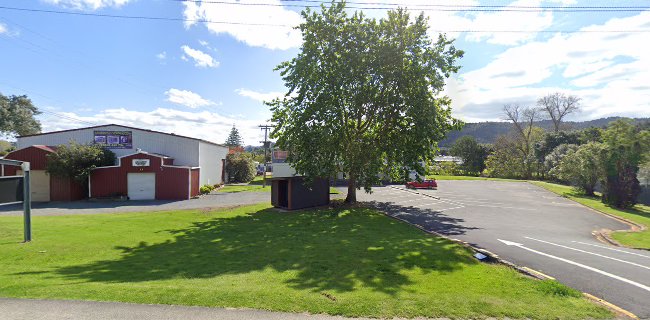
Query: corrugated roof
[123,126]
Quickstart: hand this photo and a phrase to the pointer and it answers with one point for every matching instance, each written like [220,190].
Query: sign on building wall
[114,139]
[140,162]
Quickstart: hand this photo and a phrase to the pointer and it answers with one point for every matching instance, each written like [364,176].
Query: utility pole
[267,144]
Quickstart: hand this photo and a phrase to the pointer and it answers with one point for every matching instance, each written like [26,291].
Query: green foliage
[513,156]
[472,153]
[553,159]
[592,134]
[240,168]
[234,139]
[364,96]
[446,168]
[6,147]
[75,160]
[17,116]
[551,140]
[644,173]
[206,188]
[626,146]
[582,167]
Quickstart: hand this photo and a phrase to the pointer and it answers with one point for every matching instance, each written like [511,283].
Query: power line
[88,14]
[436,7]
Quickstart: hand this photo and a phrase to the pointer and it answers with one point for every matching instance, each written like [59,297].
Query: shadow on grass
[328,249]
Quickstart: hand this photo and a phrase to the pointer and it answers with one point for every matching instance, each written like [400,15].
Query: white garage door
[39,185]
[141,186]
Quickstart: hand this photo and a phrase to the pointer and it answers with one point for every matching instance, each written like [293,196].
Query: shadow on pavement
[430,220]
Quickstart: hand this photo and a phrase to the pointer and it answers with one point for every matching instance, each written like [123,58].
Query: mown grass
[639,214]
[350,262]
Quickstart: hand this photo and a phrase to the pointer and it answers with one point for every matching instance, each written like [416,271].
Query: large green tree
[364,96]
[582,167]
[17,116]
[472,153]
[234,139]
[626,147]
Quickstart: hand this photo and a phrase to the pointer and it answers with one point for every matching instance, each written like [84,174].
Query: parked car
[424,184]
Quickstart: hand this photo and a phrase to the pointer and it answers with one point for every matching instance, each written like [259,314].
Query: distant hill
[487,132]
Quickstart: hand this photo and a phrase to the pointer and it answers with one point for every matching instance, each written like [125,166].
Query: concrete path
[19,309]
[213,200]
[530,227]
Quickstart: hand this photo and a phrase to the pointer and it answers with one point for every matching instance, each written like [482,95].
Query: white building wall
[185,151]
[210,161]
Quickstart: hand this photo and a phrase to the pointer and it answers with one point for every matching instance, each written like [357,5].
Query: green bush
[446,168]
[240,168]
[206,188]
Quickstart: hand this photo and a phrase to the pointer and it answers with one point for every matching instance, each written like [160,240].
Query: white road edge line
[613,249]
[591,253]
[605,273]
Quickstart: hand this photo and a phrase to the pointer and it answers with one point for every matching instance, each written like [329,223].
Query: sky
[82,63]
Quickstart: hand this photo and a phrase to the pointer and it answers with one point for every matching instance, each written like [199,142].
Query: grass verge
[639,214]
[350,262]
[443,177]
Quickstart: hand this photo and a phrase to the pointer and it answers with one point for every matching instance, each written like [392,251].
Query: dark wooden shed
[294,193]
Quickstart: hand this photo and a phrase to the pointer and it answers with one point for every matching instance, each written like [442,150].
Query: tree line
[614,157]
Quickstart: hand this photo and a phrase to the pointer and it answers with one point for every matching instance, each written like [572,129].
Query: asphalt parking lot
[530,227]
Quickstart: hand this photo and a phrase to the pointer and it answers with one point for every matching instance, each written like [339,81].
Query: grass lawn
[256,186]
[351,262]
[639,214]
[441,177]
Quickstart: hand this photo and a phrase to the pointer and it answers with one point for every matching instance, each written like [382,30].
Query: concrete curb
[524,270]
[604,235]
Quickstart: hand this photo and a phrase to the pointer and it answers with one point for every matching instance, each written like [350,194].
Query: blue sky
[199,79]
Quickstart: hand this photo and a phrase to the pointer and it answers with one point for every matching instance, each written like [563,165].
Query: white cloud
[259,96]
[201,59]
[608,70]
[3,28]
[187,98]
[162,55]
[206,125]
[260,35]
[88,4]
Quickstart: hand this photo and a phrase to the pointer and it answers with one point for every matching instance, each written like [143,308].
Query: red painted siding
[172,183]
[61,189]
[36,157]
[195,182]
[65,189]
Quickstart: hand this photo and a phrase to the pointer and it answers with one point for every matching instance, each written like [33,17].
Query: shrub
[240,168]
[206,188]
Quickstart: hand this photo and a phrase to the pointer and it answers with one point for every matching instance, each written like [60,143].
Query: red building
[44,187]
[143,176]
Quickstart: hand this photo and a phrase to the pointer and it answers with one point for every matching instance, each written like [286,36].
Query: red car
[428,184]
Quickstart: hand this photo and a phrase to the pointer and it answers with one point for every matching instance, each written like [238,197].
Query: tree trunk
[352,191]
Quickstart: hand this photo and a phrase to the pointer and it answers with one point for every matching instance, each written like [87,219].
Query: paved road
[213,200]
[541,230]
[23,309]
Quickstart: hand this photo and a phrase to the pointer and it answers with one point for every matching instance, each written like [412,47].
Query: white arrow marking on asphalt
[605,273]
[592,253]
[608,248]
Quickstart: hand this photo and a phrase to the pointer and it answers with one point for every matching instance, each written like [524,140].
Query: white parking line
[608,248]
[605,273]
[591,253]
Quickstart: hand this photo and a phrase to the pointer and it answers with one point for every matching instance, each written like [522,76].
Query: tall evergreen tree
[234,139]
